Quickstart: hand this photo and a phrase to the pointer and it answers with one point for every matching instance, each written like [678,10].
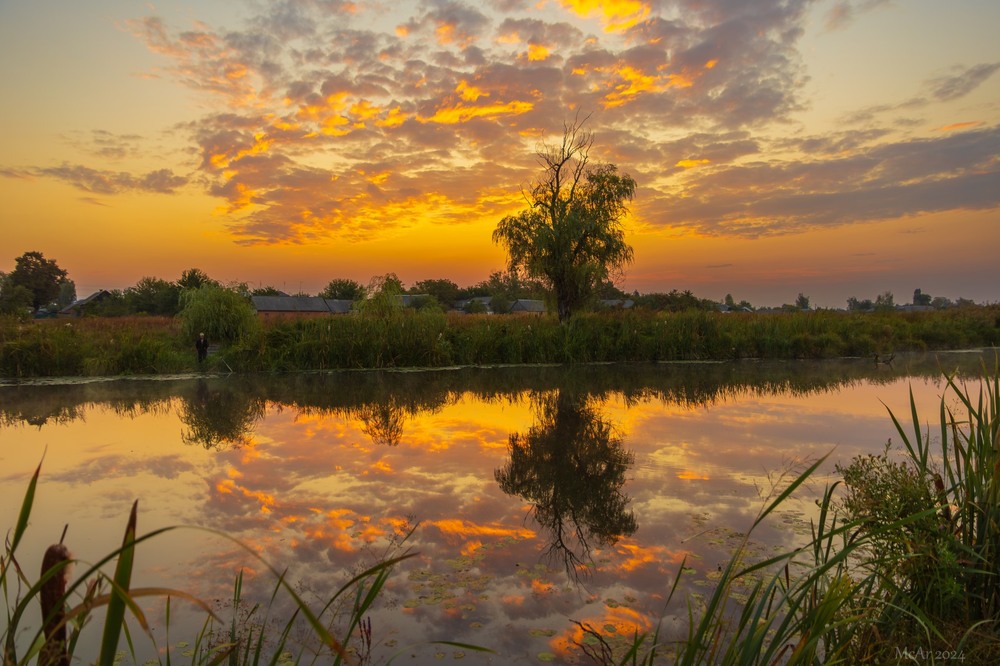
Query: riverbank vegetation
[902,565]
[403,337]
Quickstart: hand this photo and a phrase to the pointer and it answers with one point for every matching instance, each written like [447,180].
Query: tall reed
[874,583]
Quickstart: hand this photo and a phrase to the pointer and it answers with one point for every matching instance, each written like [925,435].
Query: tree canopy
[571,235]
[343,289]
[38,275]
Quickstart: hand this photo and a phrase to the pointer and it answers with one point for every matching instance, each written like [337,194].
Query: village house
[271,307]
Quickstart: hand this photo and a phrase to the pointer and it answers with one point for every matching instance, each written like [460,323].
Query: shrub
[221,314]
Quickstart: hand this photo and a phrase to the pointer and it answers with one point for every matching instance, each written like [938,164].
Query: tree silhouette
[41,276]
[570,237]
[571,465]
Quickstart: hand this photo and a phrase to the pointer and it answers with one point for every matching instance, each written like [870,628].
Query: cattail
[53,602]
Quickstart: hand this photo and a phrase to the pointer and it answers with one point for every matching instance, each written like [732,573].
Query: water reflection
[54,401]
[219,416]
[571,465]
[318,470]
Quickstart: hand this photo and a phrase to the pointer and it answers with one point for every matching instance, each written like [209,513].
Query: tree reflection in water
[571,465]
[222,416]
[383,421]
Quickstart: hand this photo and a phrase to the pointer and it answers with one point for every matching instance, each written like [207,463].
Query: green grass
[407,338]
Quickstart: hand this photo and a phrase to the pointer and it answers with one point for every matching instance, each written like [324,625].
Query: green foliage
[384,297]
[153,296]
[221,314]
[40,276]
[195,278]
[571,235]
[14,299]
[676,301]
[445,291]
[385,334]
[920,551]
[343,289]
[67,293]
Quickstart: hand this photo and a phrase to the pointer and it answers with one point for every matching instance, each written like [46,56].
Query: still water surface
[537,497]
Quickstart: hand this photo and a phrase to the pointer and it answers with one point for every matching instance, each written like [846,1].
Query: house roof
[339,305]
[527,305]
[98,295]
[300,304]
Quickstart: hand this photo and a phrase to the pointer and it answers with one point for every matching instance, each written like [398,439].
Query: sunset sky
[835,148]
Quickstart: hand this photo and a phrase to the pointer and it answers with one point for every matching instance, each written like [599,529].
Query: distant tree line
[38,284]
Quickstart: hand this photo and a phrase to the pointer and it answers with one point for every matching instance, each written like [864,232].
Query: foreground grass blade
[22,518]
[117,604]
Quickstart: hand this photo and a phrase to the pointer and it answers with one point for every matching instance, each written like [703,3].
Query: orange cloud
[468,92]
[960,126]
[461,114]
[261,144]
[616,15]
[690,164]
[394,118]
[537,52]
[691,475]
[627,82]
[467,529]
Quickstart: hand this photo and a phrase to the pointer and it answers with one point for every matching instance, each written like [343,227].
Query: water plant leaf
[22,518]
[115,617]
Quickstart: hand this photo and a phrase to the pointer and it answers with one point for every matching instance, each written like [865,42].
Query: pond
[535,499]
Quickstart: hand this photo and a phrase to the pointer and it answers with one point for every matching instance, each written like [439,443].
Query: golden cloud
[461,114]
[616,15]
[537,52]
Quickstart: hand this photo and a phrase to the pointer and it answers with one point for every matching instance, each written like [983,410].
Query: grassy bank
[138,345]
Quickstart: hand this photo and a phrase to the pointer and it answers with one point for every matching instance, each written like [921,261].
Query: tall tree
[444,290]
[344,289]
[193,278]
[41,276]
[153,296]
[571,236]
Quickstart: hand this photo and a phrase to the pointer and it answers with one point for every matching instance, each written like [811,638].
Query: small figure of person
[201,344]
